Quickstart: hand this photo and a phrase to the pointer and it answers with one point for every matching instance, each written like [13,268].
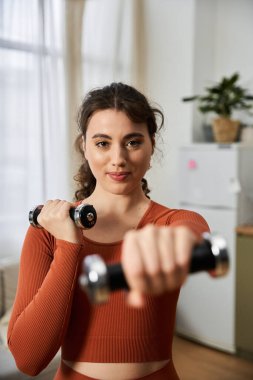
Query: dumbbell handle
[84,216]
[99,279]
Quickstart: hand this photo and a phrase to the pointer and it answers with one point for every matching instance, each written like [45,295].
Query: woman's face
[118,151]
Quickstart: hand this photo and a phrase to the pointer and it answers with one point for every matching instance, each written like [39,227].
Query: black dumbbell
[84,216]
[98,279]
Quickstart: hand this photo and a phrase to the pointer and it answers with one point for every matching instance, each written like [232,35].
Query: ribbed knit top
[51,311]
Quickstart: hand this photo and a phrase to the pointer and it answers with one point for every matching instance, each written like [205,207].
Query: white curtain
[33,129]
[51,54]
[113,43]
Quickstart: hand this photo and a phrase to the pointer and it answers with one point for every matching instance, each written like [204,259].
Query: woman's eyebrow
[128,136]
[101,135]
[132,135]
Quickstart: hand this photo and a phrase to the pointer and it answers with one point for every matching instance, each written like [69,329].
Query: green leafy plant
[224,97]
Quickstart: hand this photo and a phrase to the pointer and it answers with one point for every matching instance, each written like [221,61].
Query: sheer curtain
[51,54]
[113,46]
[33,130]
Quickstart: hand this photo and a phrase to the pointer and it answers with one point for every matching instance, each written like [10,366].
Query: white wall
[223,34]
[170,53]
[191,43]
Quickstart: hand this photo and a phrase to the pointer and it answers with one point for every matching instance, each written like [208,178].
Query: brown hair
[120,97]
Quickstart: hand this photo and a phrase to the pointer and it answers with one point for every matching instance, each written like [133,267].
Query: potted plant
[223,98]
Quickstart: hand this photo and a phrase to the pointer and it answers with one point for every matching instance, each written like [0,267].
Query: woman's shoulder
[164,215]
[156,212]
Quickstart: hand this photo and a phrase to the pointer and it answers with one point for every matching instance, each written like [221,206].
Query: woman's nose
[118,156]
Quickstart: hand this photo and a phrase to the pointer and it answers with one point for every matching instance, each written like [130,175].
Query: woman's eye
[102,144]
[134,143]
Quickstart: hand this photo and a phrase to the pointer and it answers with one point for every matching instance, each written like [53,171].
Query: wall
[169,70]
[191,43]
[223,34]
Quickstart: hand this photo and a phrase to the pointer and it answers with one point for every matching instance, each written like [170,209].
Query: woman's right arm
[47,276]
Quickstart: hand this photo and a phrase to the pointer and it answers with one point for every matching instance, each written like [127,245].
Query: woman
[130,337]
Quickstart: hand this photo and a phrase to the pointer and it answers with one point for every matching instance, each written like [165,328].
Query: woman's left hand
[156,259]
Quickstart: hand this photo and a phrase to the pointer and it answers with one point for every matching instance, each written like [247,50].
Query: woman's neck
[116,214]
[118,203]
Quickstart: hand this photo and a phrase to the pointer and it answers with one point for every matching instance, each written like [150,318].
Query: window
[33,136]
[36,76]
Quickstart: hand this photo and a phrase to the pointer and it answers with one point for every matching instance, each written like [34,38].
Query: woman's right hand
[55,218]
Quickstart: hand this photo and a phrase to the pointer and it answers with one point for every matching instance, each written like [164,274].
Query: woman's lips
[118,176]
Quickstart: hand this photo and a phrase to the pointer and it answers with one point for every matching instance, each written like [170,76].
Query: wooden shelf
[246,230]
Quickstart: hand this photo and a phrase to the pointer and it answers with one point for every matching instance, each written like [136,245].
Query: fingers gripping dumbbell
[98,279]
[84,216]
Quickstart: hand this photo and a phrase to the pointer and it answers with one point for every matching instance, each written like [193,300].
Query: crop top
[51,311]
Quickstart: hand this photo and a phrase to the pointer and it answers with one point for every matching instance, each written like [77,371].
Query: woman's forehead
[112,121]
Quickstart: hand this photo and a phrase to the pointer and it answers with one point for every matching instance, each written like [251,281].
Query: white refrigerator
[217,182]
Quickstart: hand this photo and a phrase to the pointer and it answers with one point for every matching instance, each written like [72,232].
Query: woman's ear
[84,147]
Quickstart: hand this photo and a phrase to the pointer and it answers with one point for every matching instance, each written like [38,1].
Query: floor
[192,361]
[196,362]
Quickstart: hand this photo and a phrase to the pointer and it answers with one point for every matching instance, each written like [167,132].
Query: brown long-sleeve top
[51,311]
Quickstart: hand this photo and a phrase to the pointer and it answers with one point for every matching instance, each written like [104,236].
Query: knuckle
[149,229]
[182,263]
[130,235]
[154,272]
[183,258]
[182,228]
[169,270]
[137,272]
[184,231]
[167,234]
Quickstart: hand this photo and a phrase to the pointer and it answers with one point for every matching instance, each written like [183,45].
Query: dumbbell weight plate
[84,216]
